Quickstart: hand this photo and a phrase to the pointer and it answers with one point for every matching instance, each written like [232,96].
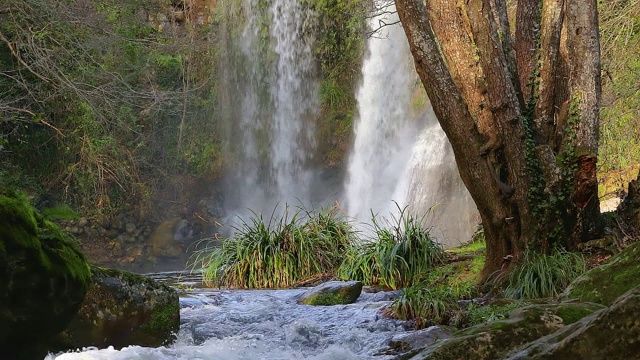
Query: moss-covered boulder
[494,339]
[332,293]
[121,309]
[607,282]
[612,333]
[43,280]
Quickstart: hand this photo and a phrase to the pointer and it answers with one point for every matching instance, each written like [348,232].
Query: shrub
[278,253]
[400,255]
[540,275]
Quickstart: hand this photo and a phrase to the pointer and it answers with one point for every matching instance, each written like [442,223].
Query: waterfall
[385,129]
[389,161]
[269,105]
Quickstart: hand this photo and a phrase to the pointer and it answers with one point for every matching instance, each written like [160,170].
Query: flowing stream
[265,324]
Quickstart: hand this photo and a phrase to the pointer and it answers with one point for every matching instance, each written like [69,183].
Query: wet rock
[495,339]
[332,293]
[130,227]
[607,282]
[122,309]
[419,339]
[43,280]
[612,333]
[163,242]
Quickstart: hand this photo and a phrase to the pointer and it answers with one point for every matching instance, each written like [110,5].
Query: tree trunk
[522,119]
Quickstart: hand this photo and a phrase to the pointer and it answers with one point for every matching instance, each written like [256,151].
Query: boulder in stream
[332,293]
[43,280]
[121,309]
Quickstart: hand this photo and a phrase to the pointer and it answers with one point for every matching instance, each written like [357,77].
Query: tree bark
[498,104]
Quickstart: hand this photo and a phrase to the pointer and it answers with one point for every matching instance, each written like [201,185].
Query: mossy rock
[607,282]
[43,280]
[121,309]
[494,339]
[332,293]
[611,333]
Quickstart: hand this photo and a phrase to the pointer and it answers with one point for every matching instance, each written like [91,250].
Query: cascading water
[386,128]
[389,163]
[269,105]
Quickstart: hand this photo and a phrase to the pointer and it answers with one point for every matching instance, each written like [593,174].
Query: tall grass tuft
[540,275]
[426,306]
[279,252]
[400,255]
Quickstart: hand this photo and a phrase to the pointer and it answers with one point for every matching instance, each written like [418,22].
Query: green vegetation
[279,252]
[476,314]
[401,254]
[605,283]
[435,300]
[102,102]
[340,50]
[620,113]
[540,275]
[426,306]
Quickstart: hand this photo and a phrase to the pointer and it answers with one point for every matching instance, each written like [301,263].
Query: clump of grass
[279,252]
[400,255]
[426,306]
[540,275]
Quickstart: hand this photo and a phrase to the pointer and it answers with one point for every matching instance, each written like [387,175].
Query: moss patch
[162,321]
[18,227]
[607,282]
[43,279]
[333,293]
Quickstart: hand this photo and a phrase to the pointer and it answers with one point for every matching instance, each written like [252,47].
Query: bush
[540,275]
[400,255]
[278,253]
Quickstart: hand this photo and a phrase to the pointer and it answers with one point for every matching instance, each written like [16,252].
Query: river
[264,324]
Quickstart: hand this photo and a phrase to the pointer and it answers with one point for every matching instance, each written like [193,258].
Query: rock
[43,280]
[82,222]
[607,282]
[494,339]
[163,242]
[419,339]
[612,333]
[332,293]
[130,227]
[122,309]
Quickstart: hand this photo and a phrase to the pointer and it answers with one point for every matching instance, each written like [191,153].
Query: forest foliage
[101,101]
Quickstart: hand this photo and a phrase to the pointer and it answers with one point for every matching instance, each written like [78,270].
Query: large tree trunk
[522,119]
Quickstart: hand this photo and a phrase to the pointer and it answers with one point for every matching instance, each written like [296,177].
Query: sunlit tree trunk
[521,116]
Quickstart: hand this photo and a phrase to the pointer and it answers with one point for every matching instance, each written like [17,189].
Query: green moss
[63,254]
[327,299]
[604,284]
[570,315]
[18,227]
[469,248]
[163,319]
